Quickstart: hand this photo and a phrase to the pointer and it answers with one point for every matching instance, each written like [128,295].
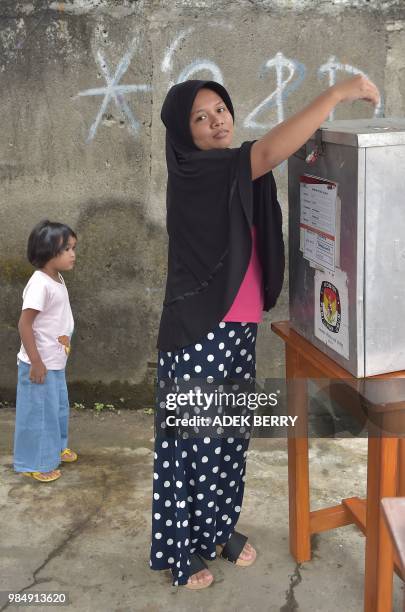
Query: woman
[225,266]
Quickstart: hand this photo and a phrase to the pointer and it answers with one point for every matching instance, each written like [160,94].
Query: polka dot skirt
[198,483]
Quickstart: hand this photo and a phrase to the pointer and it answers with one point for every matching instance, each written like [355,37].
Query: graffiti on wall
[114,91]
[285,69]
[289,76]
[331,67]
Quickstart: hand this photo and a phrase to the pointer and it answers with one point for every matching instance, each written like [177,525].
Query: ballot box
[347,243]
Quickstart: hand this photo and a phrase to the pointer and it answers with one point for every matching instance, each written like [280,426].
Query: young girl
[225,266]
[45,326]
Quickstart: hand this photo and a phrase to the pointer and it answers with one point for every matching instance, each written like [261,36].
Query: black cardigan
[202,284]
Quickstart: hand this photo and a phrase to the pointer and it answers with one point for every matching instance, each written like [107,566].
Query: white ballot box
[347,243]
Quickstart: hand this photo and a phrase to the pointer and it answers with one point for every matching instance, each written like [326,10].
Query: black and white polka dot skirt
[199,482]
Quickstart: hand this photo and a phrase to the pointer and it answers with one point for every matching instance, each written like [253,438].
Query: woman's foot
[248,553]
[200,580]
[44,476]
[246,557]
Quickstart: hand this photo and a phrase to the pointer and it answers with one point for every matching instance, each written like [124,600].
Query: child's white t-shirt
[53,325]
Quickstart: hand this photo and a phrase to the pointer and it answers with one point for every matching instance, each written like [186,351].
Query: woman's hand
[358,87]
[38,372]
[288,136]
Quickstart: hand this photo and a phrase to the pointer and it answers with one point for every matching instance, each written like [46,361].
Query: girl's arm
[38,369]
[287,137]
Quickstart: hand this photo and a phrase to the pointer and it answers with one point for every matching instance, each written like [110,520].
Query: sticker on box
[332,310]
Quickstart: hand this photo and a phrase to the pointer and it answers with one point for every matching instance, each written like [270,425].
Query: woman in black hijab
[225,266]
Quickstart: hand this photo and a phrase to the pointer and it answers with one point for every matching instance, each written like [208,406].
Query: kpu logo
[330,307]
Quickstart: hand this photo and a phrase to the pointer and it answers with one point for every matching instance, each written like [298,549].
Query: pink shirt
[249,301]
[53,325]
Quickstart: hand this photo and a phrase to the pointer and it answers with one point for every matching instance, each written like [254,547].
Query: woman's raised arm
[288,136]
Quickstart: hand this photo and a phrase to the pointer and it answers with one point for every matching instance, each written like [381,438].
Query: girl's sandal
[232,549]
[196,565]
[68,456]
[44,476]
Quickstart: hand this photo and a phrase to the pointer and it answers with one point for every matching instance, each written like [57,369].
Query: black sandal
[196,565]
[233,548]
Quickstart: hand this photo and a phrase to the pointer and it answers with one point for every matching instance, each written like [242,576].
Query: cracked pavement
[88,533]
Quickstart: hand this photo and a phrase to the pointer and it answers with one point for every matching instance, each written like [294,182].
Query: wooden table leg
[381,482]
[298,468]
[401,468]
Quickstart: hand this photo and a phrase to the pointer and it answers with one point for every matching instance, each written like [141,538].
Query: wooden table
[384,479]
[394,514]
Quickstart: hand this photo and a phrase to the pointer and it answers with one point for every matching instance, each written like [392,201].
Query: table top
[377,391]
[394,513]
[284,330]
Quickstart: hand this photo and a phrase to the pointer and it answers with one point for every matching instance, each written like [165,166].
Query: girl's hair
[46,241]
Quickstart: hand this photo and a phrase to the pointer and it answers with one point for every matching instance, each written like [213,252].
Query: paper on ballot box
[318,220]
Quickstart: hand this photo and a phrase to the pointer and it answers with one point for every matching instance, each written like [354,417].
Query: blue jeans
[42,417]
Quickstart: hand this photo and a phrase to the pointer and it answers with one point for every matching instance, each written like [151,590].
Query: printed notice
[332,310]
[318,220]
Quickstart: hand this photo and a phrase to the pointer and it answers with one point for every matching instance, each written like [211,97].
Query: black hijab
[212,203]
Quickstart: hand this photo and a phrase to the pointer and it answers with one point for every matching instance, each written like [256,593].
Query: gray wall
[73,151]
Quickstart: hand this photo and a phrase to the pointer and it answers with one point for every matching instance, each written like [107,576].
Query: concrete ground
[88,533]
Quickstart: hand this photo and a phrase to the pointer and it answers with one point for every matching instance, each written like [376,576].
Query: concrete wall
[81,86]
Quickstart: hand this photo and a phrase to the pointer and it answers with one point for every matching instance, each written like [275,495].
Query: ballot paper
[318,221]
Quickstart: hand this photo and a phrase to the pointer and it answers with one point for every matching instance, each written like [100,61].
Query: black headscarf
[212,203]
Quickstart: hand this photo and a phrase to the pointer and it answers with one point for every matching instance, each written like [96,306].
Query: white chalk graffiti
[167,62]
[289,75]
[279,62]
[195,66]
[114,91]
[199,65]
[331,67]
